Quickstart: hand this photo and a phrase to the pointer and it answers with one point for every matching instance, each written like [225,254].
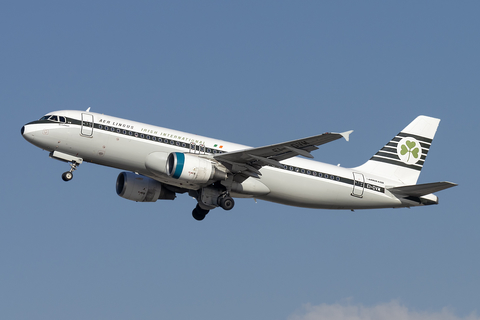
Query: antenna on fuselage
[88,110]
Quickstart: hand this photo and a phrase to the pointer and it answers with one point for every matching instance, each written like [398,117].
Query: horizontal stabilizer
[419,190]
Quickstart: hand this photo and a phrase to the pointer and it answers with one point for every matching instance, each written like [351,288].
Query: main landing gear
[226,202]
[199,213]
[209,198]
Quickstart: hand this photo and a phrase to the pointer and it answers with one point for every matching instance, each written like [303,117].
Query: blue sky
[254,73]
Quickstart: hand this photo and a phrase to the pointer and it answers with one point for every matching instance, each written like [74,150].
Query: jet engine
[192,168]
[156,163]
[141,189]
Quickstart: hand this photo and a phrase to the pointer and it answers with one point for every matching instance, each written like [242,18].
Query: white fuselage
[125,145]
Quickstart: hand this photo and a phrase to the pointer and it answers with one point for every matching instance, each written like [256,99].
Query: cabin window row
[312,173]
[202,148]
[191,146]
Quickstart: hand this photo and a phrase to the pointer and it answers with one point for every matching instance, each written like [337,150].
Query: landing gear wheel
[67,176]
[226,203]
[199,213]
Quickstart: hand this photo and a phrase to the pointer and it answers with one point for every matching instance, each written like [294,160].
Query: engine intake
[192,168]
[141,189]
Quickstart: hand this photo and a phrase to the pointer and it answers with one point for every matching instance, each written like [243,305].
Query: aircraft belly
[312,192]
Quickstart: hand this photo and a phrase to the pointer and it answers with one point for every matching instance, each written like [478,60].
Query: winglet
[346,134]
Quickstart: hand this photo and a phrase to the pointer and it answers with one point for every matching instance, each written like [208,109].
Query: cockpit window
[53,118]
[62,119]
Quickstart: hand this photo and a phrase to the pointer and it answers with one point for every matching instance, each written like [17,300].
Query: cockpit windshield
[54,118]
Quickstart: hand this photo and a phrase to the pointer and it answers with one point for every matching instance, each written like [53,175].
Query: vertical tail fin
[403,157]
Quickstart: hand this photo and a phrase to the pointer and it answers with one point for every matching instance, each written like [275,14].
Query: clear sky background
[254,73]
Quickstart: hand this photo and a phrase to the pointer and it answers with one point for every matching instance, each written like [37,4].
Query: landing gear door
[87,125]
[358,185]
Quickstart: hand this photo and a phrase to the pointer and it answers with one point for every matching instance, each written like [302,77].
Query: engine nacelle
[141,189]
[156,162]
[192,168]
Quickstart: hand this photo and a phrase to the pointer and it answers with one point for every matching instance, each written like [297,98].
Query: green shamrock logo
[409,147]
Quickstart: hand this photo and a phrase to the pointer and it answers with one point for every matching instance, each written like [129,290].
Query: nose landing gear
[67,176]
[73,160]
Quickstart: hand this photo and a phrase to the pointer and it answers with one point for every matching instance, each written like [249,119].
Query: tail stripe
[388,154]
[402,158]
[419,138]
[389,149]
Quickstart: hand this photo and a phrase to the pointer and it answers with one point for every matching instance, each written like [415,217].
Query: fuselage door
[193,148]
[358,185]
[87,125]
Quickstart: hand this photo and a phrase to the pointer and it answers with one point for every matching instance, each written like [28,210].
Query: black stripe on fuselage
[203,149]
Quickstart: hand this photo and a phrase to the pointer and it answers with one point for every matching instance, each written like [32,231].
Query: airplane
[160,163]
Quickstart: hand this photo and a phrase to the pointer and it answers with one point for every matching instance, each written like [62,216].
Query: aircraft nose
[27,133]
[36,135]
[26,129]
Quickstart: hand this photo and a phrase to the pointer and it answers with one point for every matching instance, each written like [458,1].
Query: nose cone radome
[27,133]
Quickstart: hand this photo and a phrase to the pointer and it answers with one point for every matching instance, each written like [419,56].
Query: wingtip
[452,184]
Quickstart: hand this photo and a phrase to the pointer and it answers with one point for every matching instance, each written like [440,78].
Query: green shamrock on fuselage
[408,147]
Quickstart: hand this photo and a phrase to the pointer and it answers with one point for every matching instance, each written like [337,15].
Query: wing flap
[419,190]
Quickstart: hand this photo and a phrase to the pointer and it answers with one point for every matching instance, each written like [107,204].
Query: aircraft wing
[249,161]
[419,190]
